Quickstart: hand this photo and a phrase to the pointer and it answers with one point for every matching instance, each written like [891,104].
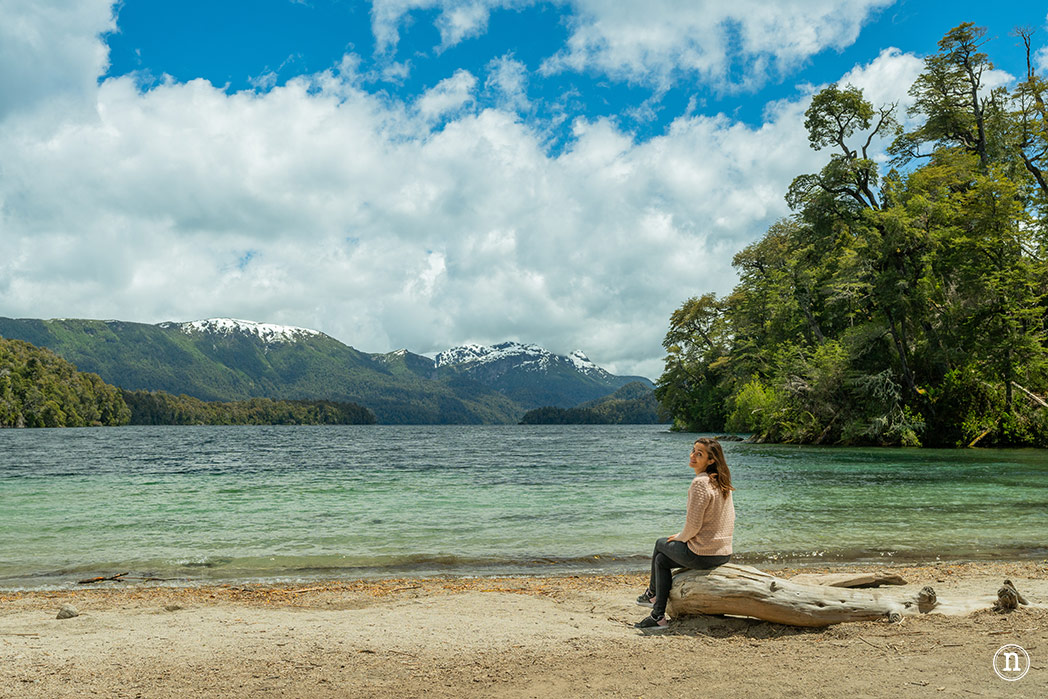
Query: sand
[507,637]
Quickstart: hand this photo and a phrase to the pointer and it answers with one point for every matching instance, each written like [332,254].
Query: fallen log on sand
[1008,598]
[744,591]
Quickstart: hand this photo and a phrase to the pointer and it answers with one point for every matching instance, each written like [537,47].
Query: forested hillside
[901,303]
[159,408]
[633,404]
[222,359]
[40,389]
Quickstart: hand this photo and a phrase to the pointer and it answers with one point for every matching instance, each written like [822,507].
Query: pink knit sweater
[710,519]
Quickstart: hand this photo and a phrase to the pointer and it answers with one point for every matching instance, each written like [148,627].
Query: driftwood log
[744,591]
[100,578]
[119,577]
[1008,598]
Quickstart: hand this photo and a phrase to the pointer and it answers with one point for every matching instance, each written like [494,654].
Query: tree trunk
[744,591]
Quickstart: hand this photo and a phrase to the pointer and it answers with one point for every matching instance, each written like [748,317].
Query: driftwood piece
[870,579]
[744,591]
[100,578]
[123,577]
[1008,598]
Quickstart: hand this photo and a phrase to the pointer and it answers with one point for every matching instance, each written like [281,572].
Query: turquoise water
[299,503]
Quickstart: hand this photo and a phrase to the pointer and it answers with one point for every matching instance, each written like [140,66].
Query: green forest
[40,389]
[159,408]
[903,301]
[632,404]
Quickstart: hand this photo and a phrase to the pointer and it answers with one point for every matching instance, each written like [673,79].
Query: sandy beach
[512,637]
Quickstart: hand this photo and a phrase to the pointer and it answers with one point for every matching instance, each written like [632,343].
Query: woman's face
[700,458]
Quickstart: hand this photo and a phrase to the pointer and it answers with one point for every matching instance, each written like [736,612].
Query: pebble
[67,611]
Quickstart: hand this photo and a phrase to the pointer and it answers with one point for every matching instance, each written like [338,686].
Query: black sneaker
[652,624]
[646,600]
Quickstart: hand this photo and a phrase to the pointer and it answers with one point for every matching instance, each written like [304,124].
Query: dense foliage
[158,408]
[551,415]
[633,404]
[40,389]
[904,307]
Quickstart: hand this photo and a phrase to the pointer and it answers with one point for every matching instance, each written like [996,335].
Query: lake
[209,504]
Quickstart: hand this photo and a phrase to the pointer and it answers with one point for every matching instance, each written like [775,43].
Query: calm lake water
[207,504]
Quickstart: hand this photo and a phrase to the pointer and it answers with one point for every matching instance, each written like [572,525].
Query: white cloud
[456,21]
[508,78]
[462,20]
[448,96]
[49,50]
[264,81]
[1040,60]
[320,205]
[733,45]
[886,79]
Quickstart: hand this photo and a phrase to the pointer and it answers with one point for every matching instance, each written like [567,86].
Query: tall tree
[902,308]
[952,98]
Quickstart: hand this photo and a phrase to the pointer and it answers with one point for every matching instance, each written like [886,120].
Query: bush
[755,406]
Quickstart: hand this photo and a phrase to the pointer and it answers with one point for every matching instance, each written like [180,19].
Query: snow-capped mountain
[269,333]
[532,375]
[227,359]
[508,355]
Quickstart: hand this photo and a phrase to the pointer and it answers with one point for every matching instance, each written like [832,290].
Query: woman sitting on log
[705,540]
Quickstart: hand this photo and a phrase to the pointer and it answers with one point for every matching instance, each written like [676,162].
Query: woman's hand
[672,537]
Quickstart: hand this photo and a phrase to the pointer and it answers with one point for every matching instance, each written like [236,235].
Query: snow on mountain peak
[269,333]
[483,354]
[582,362]
[527,356]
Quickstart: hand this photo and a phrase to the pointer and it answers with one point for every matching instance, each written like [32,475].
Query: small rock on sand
[67,611]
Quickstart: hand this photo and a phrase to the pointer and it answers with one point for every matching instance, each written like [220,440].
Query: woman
[705,540]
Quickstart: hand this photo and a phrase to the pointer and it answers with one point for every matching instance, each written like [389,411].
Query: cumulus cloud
[384,223]
[886,79]
[316,204]
[49,50]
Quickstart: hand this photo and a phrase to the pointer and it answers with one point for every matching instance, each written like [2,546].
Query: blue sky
[425,173]
[251,45]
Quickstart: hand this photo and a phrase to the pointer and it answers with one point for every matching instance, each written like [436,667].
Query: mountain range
[226,359]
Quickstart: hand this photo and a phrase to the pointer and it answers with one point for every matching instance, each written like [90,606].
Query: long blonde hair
[720,476]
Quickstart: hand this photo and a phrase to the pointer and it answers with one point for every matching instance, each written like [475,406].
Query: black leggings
[667,556]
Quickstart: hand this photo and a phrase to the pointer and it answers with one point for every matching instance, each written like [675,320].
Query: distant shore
[502,636]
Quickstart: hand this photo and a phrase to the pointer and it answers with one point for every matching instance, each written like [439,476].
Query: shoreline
[513,636]
[386,585]
[608,566]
